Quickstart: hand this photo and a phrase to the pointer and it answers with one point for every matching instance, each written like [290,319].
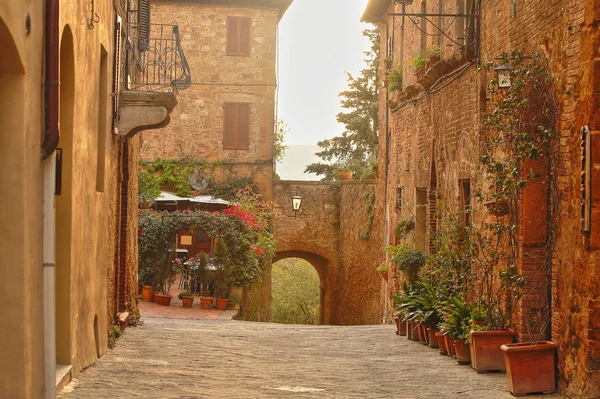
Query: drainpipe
[48,155]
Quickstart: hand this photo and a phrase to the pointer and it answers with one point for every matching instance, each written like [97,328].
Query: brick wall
[443,126]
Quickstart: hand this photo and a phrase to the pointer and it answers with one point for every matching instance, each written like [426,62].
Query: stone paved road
[170,358]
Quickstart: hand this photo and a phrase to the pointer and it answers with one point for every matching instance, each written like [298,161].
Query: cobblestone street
[177,358]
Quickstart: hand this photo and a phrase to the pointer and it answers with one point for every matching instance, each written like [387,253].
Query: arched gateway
[331,232]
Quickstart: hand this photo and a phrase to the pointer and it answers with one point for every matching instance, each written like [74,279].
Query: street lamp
[296,203]
[503,76]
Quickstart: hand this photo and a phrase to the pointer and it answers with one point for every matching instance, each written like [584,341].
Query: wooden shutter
[236,131]
[232,35]
[244,48]
[229,129]
[238,36]
[143,25]
[243,127]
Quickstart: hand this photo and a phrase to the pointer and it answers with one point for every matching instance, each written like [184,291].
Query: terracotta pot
[397,321]
[222,304]
[463,353]
[431,337]
[402,330]
[164,300]
[530,368]
[344,174]
[414,328]
[156,299]
[449,345]
[420,73]
[496,208]
[441,343]
[187,301]
[423,334]
[206,302]
[147,294]
[486,354]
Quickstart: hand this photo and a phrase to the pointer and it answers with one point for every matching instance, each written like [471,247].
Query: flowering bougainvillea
[245,216]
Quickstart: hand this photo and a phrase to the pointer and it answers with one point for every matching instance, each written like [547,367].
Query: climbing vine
[519,150]
[369,197]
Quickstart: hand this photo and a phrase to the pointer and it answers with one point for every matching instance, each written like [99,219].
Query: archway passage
[295,292]
[322,267]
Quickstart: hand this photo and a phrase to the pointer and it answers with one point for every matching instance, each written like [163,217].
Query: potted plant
[163,299]
[186,299]
[456,324]
[485,343]
[394,79]
[388,62]
[221,294]
[432,56]
[409,260]
[418,64]
[343,173]
[383,268]
[147,293]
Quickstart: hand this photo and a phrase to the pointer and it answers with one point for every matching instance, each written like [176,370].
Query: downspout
[48,155]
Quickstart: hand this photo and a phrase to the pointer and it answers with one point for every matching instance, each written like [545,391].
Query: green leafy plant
[409,260]
[403,226]
[456,321]
[394,78]
[418,62]
[184,293]
[117,331]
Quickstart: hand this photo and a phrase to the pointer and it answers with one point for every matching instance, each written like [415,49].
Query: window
[398,199]
[236,132]
[238,36]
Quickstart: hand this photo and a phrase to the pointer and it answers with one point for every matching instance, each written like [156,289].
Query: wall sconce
[503,76]
[296,203]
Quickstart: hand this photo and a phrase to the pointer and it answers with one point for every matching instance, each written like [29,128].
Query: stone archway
[321,265]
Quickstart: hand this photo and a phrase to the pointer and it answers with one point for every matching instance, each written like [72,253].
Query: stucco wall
[21,331]
[83,238]
[196,128]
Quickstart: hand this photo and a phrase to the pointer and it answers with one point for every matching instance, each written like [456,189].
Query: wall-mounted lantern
[503,76]
[296,203]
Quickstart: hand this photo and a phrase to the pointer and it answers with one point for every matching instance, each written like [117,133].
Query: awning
[200,199]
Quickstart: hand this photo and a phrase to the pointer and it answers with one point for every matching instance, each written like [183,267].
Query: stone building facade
[224,80]
[432,139]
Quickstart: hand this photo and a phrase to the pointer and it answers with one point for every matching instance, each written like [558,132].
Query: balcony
[155,60]
[155,71]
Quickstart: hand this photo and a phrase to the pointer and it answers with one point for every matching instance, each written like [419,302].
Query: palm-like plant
[457,321]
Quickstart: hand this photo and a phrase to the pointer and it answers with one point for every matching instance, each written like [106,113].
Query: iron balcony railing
[155,59]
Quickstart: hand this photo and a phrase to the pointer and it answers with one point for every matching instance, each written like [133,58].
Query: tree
[356,148]
[280,133]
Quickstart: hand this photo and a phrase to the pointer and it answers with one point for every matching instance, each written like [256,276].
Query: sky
[318,41]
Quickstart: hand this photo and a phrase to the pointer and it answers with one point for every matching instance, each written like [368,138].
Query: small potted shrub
[222,294]
[186,299]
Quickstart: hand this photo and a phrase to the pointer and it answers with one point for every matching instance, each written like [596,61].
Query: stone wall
[327,233]
[361,246]
[196,128]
